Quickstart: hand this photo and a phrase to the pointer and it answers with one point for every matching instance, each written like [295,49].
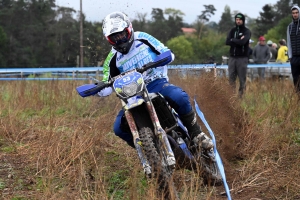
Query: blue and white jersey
[145,49]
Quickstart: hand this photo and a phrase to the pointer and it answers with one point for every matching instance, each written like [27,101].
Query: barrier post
[215,71]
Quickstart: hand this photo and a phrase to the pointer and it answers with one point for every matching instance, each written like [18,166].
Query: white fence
[272,69]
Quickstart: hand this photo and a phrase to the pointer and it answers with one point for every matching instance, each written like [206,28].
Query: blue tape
[218,158]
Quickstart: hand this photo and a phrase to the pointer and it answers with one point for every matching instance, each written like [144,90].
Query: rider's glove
[105,92]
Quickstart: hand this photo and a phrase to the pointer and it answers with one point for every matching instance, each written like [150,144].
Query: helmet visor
[119,37]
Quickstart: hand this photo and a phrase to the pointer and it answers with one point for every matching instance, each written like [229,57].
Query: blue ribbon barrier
[45,70]
[218,158]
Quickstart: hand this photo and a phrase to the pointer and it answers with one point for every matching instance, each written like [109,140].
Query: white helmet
[118,31]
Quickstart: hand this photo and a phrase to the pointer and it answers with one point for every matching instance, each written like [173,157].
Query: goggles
[119,37]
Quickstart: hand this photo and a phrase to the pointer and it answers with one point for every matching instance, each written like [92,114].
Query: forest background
[38,33]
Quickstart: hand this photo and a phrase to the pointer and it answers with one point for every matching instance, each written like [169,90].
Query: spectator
[293,40]
[273,51]
[238,40]
[250,57]
[261,55]
[282,52]
[274,45]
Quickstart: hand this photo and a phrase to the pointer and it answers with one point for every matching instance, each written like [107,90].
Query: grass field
[56,145]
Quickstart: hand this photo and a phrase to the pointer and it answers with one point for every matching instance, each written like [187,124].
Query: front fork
[137,143]
[159,131]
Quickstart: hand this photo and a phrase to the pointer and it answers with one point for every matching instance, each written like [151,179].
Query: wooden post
[215,71]
[81,37]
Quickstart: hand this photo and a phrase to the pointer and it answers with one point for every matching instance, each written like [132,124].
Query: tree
[158,27]
[226,22]
[174,22]
[3,48]
[140,24]
[279,32]
[283,8]
[204,17]
[266,20]
[41,17]
[65,41]
[212,25]
[212,45]
[27,24]
[182,49]
[174,12]
[96,46]
[157,15]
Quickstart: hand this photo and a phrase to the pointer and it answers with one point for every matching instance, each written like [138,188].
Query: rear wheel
[160,170]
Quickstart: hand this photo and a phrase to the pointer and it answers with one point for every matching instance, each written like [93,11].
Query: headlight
[130,89]
[129,85]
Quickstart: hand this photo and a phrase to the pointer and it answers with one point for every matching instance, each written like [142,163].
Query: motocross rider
[133,50]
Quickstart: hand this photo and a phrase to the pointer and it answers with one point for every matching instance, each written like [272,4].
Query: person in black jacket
[238,40]
[293,41]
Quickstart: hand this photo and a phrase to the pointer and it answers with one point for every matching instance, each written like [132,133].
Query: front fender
[133,102]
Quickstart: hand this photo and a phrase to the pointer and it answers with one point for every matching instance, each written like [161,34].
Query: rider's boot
[198,137]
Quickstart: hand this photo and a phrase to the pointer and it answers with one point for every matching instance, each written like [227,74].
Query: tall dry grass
[61,146]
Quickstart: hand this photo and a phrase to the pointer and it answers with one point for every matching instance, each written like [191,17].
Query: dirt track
[260,156]
[237,141]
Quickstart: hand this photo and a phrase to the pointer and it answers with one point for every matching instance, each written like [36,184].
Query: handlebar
[161,60]
[92,89]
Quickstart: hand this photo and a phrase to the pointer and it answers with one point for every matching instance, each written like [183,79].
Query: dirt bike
[160,139]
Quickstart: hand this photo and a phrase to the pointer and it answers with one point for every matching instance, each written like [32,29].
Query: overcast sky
[96,10]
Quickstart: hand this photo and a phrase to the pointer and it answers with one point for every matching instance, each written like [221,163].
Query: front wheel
[160,171]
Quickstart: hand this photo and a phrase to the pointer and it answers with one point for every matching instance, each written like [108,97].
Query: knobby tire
[160,171]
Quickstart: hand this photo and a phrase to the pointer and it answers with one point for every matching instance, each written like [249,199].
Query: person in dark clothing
[250,54]
[261,55]
[238,40]
[273,51]
[293,40]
